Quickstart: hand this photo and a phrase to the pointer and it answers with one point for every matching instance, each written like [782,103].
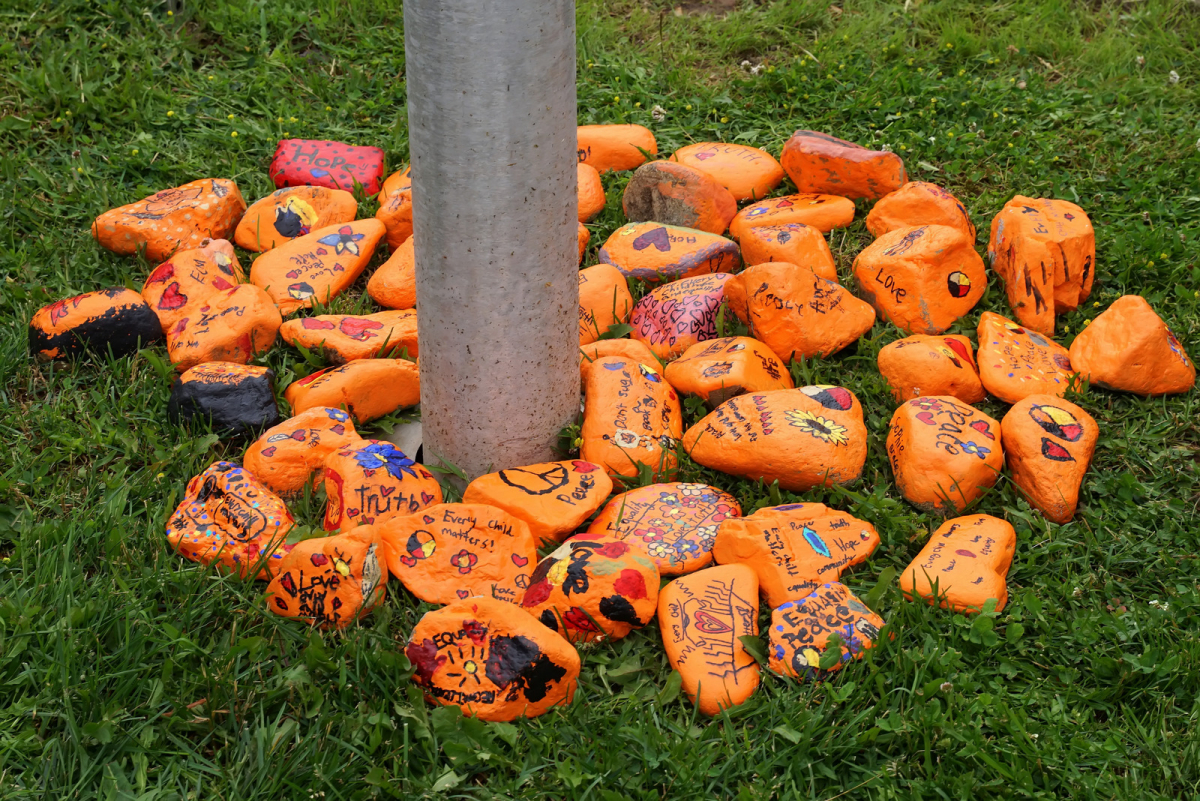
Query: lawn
[126,672]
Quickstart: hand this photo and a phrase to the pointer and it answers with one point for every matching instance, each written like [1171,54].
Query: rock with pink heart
[368,482]
[285,457]
[675,316]
[346,337]
[653,252]
[186,281]
[230,326]
[553,498]
[317,267]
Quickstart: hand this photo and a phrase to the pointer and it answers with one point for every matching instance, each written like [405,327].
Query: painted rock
[318,162]
[919,203]
[921,279]
[629,349]
[367,388]
[109,319]
[1130,349]
[394,284]
[965,563]
[593,589]
[823,212]
[229,519]
[793,243]
[747,172]
[676,194]
[493,660]
[675,316]
[632,417]
[395,212]
[1045,251]
[1048,444]
[1015,362]
[396,182]
[317,266]
[296,211]
[175,288]
[330,581]
[171,220]
[286,456]
[796,548]
[943,452]
[702,617]
[590,191]
[583,235]
[236,398]
[346,337]
[652,252]
[604,300]
[231,326]
[456,550]
[674,524]
[720,369]
[802,438]
[368,482]
[615,147]
[931,365]
[553,498]
[795,312]
[801,630]
[817,162]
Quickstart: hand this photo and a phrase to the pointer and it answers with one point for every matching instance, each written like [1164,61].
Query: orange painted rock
[674,524]
[675,316]
[817,162]
[1130,349]
[229,519]
[796,548]
[631,417]
[296,211]
[629,349]
[593,589]
[285,457]
[174,288]
[590,192]
[604,300]
[944,453]
[394,284]
[802,438]
[109,319]
[318,162]
[367,388]
[720,369]
[793,243]
[965,564]
[330,581]
[1015,362]
[615,147]
[921,279]
[702,617]
[456,550]
[676,194]
[583,236]
[795,312]
[231,326]
[346,337]
[931,365]
[395,212]
[652,252]
[492,659]
[553,498]
[1045,250]
[317,266]
[919,203]
[823,212]
[173,219]
[396,182]
[747,172]
[1048,444]
[368,482]
[235,399]
[801,630]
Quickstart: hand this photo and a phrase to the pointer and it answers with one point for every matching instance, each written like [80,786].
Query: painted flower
[661,550]
[668,499]
[927,404]
[724,512]
[689,501]
[817,426]
[652,534]
[687,548]
[385,455]
[344,241]
[464,560]
[975,450]
[624,438]
[337,414]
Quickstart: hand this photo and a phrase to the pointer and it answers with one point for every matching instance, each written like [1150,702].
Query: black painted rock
[118,318]
[236,397]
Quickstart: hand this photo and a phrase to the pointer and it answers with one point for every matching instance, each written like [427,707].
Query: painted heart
[337,268]
[317,173]
[658,237]
[708,624]
[313,324]
[221,283]
[926,418]
[463,593]
[520,561]
[321,251]
[368,521]
[386,491]
[428,520]
[983,428]
[294,274]
[784,204]
[268,452]
[408,561]
[172,298]
[584,467]
[768,432]
[704,156]
[353,512]
[339,429]
[161,273]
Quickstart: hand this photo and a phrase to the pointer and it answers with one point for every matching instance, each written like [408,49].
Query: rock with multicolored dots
[1048,444]
[369,482]
[367,388]
[675,316]
[604,301]
[631,417]
[931,365]
[293,212]
[171,220]
[1015,362]
[801,631]
[176,288]
[1129,348]
[347,337]
[108,319]
[790,243]
[393,285]
[236,399]
[231,326]
[319,162]
[963,565]
[676,194]
[919,203]
[818,162]
[720,369]
[615,147]
[652,252]
[823,212]
[553,498]
[396,208]
[629,349]
[318,266]
[285,457]
[747,172]
[330,581]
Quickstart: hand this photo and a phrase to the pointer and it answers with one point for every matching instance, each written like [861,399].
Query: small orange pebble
[295,211]
[675,316]
[393,285]
[919,203]
[231,326]
[553,498]
[604,301]
[1129,348]
[396,182]
[330,581]
[817,162]
[395,212]
[965,564]
[368,482]
[173,219]
[346,337]
[747,172]
[583,235]
[317,266]
[629,349]
[676,194]
[286,456]
[931,365]
[1048,444]
[118,319]
[652,252]
[1015,362]
[801,630]
[615,147]
[367,388]
[792,243]
[823,212]
[631,417]
[177,287]
[590,192]
[319,162]
[719,369]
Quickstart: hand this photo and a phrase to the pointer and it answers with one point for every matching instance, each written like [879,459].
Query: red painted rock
[919,203]
[802,438]
[367,388]
[921,279]
[792,243]
[396,182]
[720,369]
[346,337]
[296,211]
[173,219]
[394,284]
[823,212]
[493,660]
[236,399]
[632,417]
[395,212]
[676,194]
[817,162]
[702,617]
[1130,349]
[319,162]
[652,252]
[1048,444]
[747,172]
[1015,362]
[368,482]
[317,266]
[230,520]
[629,349]
[175,288]
[675,316]
[285,457]
[965,563]
[931,365]
[801,630]
[231,326]
[109,319]
[604,301]
[553,498]
[590,192]
[330,581]
[583,235]
[615,147]
[943,452]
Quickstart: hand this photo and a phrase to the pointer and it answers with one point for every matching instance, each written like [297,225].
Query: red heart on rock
[428,520]
[583,467]
[268,452]
[321,251]
[926,418]
[408,561]
[386,491]
[172,298]
[353,512]
[983,428]
[463,593]
[520,561]
[294,274]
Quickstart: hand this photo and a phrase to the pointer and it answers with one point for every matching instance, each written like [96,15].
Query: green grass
[126,672]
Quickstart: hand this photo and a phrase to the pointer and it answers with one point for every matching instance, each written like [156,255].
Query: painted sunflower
[817,426]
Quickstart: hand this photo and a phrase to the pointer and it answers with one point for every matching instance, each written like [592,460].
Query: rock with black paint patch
[237,398]
[116,319]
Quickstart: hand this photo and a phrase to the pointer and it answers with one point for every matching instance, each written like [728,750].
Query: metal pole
[491,106]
